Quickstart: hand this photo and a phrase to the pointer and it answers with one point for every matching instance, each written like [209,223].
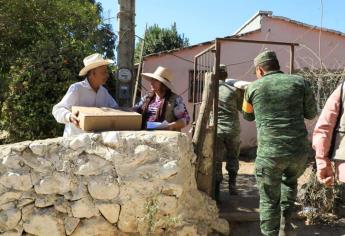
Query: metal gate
[205,104]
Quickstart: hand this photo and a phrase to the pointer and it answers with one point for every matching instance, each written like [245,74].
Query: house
[317,46]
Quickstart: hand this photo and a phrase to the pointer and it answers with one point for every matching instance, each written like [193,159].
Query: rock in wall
[113,183]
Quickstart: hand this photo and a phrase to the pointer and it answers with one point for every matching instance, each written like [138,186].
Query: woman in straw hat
[161,104]
[89,92]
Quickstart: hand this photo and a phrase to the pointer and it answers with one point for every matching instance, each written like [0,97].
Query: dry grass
[323,82]
[319,203]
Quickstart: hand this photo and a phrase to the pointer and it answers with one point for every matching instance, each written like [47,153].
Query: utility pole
[125,53]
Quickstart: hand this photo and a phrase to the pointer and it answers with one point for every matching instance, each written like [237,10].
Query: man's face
[100,75]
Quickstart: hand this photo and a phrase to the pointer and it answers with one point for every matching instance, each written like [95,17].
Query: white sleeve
[62,110]
[111,101]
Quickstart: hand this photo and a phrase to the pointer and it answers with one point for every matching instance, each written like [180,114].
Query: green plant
[151,209]
[159,39]
[42,46]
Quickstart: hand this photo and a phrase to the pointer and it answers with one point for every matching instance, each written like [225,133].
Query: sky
[204,20]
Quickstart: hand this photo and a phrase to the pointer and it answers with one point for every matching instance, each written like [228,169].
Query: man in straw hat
[278,103]
[228,129]
[89,92]
[161,104]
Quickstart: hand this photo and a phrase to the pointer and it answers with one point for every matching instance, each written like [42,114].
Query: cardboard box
[98,119]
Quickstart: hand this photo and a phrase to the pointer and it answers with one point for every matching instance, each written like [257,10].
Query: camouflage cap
[222,72]
[222,67]
[264,56]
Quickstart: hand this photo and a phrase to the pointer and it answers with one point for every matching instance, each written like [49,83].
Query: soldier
[278,103]
[228,129]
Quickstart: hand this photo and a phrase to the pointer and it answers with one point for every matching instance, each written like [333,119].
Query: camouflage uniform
[228,131]
[279,103]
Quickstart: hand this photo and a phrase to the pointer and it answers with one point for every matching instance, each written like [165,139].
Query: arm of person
[239,101]
[62,111]
[177,125]
[309,102]
[138,106]
[322,137]
[181,114]
[247,107]
[111,101]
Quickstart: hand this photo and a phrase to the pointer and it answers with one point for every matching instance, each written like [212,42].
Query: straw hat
[240,84]
[163,75]
[93,61]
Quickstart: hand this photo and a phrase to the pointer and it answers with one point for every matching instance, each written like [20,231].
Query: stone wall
[113,183]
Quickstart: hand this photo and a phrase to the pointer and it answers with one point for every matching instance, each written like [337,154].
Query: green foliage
[160,39]
[151,210]
[42,45]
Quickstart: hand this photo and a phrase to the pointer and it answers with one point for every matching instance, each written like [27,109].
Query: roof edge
[307,25]
[197,45]
[259,13]
[268,14]
[178,49]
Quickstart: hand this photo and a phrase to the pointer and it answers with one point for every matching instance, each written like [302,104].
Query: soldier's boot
[232,184]
[287,228]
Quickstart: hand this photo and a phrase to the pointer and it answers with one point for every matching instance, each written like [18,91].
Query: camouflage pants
[277,183]
[228,149]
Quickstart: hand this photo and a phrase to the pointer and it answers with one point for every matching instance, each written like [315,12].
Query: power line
[320,32]
[182,58]
[109,18]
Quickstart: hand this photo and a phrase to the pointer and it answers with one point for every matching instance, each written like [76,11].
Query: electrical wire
[320,32]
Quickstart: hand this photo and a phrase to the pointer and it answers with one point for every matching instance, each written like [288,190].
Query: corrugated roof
[307,25]
[193,46]
[178,49]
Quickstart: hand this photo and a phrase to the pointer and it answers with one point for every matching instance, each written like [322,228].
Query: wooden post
[215,113]
[204,177]
[125,54]
[292,55]
[139,70]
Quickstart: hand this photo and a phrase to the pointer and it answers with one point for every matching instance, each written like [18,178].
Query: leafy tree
[160,39]
[42,45]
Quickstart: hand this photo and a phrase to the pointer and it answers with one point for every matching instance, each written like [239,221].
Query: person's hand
[171,126]
[176,125]
[325,176]
[74,119]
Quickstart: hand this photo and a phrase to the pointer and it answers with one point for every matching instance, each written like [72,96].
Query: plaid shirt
[180,110]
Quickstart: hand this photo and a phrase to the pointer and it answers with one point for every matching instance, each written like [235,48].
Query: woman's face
[156,86]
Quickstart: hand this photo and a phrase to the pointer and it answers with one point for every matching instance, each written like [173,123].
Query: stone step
[241,208]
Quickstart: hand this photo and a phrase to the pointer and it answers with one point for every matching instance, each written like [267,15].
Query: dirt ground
[243,210]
